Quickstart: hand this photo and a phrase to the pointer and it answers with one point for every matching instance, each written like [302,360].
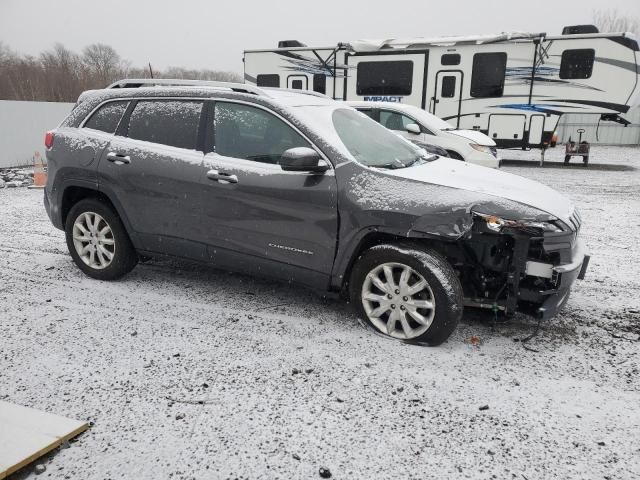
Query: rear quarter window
[168,122]
[107,117]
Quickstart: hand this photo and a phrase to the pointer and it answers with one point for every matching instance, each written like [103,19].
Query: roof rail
[169,82]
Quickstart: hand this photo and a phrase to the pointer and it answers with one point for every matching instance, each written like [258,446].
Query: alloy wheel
[398,300]
[93,240]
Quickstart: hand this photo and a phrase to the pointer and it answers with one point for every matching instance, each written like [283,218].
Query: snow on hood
[456,174]
[476,137]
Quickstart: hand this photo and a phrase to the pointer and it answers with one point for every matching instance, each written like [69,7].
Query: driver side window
[250,133]
[394,120]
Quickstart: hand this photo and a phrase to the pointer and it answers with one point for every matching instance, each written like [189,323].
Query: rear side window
[450,59]
[320,83]
[577,63]
[385,78]
[448,87]
[107,117]
[487,77]
[250,133]
[173,123]
[268,80]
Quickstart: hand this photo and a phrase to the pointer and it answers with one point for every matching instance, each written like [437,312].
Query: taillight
[48,140]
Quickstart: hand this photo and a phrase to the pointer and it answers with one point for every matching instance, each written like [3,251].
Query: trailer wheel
[566,159]
[585,160]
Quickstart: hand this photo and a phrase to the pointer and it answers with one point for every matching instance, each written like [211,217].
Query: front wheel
[98,241]
[407,292]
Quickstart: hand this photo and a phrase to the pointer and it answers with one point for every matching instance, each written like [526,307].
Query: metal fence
[22,129]
[606,133]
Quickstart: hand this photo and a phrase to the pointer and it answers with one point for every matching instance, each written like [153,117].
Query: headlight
[480,148]
[497,224]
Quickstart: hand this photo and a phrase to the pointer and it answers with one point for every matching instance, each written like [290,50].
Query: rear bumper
[52,210]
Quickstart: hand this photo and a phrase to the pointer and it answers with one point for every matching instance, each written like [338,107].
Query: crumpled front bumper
[563,276]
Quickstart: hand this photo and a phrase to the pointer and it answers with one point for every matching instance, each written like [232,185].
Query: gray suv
[302,188]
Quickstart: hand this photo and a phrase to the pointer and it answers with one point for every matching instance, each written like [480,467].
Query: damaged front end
[520,265]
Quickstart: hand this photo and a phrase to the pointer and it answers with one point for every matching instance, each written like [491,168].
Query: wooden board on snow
[26,434]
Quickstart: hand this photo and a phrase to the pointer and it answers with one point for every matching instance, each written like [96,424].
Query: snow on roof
[416,42]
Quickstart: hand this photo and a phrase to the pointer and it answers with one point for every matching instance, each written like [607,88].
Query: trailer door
[448,96]
[387,77]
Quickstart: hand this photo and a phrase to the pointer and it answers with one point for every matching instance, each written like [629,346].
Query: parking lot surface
[190,372]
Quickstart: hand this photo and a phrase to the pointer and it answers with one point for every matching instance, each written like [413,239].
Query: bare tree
[63,70]
[60,75]
[612,21]
[103,63]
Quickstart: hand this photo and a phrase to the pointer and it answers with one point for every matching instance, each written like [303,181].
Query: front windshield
[370,143]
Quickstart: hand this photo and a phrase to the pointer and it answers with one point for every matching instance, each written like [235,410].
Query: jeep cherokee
[299,187]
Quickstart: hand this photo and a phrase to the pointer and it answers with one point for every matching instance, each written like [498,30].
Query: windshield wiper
[391,165]
[417,159]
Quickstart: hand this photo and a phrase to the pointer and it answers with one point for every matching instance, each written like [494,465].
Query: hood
[473,178]
[473,135]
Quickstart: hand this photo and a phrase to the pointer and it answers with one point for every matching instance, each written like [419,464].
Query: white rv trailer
[513,86]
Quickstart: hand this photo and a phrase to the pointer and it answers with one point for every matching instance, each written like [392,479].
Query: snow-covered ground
[138,355]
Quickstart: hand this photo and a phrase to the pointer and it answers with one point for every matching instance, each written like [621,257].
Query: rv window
[487,76]
[385,78]
[251,133]
[270,80]
[296,84]
[173,123]
[448,87]
[450,59]
[320,83]
[577,63]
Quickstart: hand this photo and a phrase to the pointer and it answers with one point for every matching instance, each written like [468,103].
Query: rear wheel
[567,158]
[408,293]
[585,160]
[98,241]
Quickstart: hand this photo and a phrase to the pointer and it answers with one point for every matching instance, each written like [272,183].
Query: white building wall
[22,129]
[607,133]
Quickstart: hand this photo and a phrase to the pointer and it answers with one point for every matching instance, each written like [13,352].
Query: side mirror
[302,159]
[413,128]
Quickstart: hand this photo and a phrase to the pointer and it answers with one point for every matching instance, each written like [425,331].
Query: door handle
[221,176]
[118,158]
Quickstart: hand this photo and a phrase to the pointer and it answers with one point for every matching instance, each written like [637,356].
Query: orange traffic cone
[39,172]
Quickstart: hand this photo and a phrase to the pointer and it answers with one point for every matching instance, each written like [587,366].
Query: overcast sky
[212,34]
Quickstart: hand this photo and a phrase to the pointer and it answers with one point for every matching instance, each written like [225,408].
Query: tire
[585,160]
[567,158]
[455,155]
[113,252]
[443,291]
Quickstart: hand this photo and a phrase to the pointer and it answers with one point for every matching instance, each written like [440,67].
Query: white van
[415,124]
